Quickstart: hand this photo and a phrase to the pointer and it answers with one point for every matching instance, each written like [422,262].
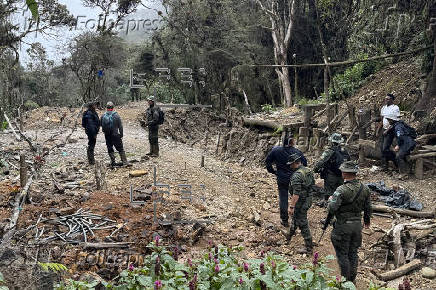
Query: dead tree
[100,175]
[282,22]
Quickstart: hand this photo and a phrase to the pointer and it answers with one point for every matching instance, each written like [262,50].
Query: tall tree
[282,17]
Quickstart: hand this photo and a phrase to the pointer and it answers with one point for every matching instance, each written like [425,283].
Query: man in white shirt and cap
[389,109]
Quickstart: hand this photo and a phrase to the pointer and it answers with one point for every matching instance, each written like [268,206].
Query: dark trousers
[92,139]
[331,182]
[114,141]
[387,153]
[153,134]
[283,187]
[300,221]
[346,239]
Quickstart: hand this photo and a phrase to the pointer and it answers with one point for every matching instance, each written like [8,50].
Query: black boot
[112,157]
[124,158]
[91,159]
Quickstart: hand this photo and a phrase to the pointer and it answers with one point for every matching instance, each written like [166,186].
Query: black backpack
[410,131]
[337,159]
[161,116]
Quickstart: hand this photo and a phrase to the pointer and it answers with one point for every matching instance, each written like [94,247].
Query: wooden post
[218,142]
[352,116]
[303,138]
[202,161]
[100,175]
[364,118]
[23,170]
[20,111]
[308,113]
[419,168]
[361,154]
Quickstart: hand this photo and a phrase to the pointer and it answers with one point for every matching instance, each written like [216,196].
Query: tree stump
[303,138]
[364,117]
[419,168]
[23,170]
[100,175]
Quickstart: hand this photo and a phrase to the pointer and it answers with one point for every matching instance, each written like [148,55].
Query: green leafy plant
[3,125]
[53,267]
[373,286]
[70,284]
[2,281]
[267,108]
[220,268]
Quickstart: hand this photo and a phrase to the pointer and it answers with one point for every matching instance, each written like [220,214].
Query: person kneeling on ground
[113,132]
[301,186]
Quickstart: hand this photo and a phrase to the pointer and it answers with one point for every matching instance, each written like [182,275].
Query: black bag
[337,159]
[410,131]
[161,117]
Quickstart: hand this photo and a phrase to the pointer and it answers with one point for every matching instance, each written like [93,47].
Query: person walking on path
[91,124]
[113,132]
[279,155]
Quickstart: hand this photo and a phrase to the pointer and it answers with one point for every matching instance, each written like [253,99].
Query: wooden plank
[424,155]
[412,213]
[401,271]
[430,147]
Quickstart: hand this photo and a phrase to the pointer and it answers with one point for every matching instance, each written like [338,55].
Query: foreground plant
[221,268]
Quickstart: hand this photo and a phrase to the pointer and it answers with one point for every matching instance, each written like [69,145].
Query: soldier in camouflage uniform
[328,164]
[152,119]
[300,187]
[346,205]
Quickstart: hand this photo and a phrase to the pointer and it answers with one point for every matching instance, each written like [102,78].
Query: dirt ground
[232,192]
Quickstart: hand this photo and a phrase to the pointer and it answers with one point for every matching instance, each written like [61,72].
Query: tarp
[393,198]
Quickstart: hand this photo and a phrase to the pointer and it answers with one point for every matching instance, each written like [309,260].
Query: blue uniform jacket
[280,155]
[404,141]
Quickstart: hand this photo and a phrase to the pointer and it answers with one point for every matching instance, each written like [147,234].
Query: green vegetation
[2,280]
[220,268]
[267,108]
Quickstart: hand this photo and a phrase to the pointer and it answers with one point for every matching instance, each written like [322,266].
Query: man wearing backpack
[389,109]
[405,136]
[91,123]
[329,163]
[279,156]
[113,132]
[154,117]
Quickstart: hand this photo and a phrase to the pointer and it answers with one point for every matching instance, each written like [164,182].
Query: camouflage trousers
[346,239]
[300,221]
[331,182]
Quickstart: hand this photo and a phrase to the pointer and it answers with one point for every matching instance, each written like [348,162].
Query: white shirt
[389,110]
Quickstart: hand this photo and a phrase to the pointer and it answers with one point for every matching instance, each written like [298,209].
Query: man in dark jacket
[152,119]
[91,123]
[113,132]
[405,143]
[329,163]
[346,205]
[279,156]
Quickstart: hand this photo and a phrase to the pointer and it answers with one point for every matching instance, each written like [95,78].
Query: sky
[135,28]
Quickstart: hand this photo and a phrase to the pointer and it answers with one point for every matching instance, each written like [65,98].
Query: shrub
[30,105]
[3,125]
[2,281]
[221,268]
[267,108]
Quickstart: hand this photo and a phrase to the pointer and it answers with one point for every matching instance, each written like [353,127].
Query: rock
[56,252]
[85,197]
[266,206]
[72,140]
[256,218]
[428,273]
[374,169]
[109,206]
[90,277]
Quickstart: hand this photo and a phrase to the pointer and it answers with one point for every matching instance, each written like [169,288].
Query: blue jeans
[283,199]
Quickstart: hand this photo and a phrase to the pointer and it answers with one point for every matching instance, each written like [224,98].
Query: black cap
[391,96]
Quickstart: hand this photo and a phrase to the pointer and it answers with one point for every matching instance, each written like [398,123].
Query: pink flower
[338,278]
[131,267]
[157,267]
[189,262]
[315,259]
[241,281]
[217,268]
[262,253]
[262,268]
[210,256]
[273,264]
[157,284]
[215,260]
[294,267]
[245,267]
[156,240]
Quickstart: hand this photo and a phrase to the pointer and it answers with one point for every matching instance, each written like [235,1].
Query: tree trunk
[284,77]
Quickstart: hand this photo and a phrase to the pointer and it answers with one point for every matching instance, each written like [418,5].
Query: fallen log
[412,213]
[424,155]
[401,271]
[424,139]
[261,123]
[106,245]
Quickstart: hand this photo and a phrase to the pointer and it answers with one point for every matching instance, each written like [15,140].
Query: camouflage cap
[336,138]
[150,98]
[110,105]
[349,166]
[294,157]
